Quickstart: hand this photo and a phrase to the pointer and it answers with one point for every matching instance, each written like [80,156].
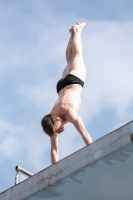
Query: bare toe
[82,25]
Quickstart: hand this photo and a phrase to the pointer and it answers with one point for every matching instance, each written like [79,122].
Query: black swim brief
[68,80]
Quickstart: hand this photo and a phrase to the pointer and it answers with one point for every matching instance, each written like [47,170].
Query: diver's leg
[77,66]
[68,55]
[69,47]
[74,56]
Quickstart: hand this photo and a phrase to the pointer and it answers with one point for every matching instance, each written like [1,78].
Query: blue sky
[33,39]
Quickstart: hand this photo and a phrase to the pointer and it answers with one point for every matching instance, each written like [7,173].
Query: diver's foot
[78,27]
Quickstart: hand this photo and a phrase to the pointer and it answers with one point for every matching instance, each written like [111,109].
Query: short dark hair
[48,123]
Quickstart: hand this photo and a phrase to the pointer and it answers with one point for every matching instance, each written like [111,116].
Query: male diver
[69,88]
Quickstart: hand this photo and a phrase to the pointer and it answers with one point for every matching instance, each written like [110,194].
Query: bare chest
[68,103]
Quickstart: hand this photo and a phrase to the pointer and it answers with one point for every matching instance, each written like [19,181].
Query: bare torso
[69,98]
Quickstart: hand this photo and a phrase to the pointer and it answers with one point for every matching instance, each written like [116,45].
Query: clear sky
[33,39]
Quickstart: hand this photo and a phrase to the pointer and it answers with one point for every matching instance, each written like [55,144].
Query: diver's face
[59,128]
